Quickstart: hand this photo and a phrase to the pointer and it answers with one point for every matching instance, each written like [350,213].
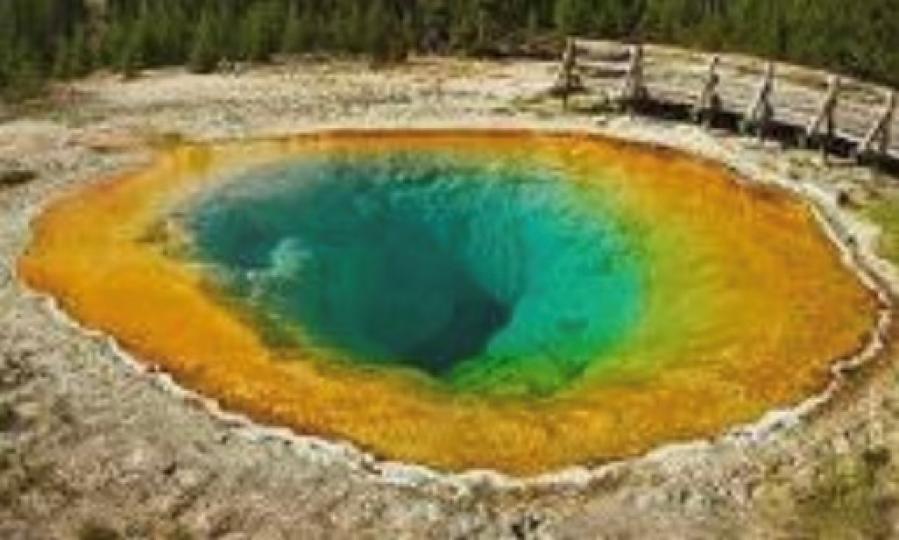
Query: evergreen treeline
[41,39]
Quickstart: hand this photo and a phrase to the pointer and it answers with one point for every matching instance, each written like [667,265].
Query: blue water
[486,276]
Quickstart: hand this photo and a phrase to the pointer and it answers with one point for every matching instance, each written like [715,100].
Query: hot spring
[517,301]
[485,276]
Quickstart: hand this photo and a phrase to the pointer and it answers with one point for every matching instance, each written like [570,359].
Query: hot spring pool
[509,300]
[486,276]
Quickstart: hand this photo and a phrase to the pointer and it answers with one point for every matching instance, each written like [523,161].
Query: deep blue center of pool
[484,275]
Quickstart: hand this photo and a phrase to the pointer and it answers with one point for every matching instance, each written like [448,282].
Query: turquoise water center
[484,276]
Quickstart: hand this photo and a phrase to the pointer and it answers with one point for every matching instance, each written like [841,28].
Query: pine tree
[533,22]
[293,40]
[61,60]
[464,31]
[354,28]
[165,28]
[259,30]
[80,61]
[26,78]
[386,37]
[63,38]
[309,30]
[377,28]
[131,57]
[254,35]
[204,55]
[113,41]
[573,17]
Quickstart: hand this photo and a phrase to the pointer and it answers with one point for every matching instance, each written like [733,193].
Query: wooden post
[567,79]
[880,135]
[709,102]
[761,111]
[825,116]
[634,90]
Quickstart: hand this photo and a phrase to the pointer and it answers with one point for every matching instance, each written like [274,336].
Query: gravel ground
[91,446]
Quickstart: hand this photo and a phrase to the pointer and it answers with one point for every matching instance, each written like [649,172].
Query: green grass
[885,213]
[848,500]
[93,530]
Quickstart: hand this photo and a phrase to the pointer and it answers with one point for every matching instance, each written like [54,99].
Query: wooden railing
[818,107]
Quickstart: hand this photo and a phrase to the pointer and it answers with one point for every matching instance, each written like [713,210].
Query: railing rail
[809,101]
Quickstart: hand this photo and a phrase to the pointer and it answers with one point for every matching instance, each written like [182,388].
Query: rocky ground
[93,448]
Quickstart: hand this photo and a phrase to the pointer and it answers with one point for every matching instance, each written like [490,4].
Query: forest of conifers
[47,39]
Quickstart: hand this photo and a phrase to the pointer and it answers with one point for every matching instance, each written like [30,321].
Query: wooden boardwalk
[674,79]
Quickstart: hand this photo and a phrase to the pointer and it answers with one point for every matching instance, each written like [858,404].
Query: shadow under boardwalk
[789,135]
